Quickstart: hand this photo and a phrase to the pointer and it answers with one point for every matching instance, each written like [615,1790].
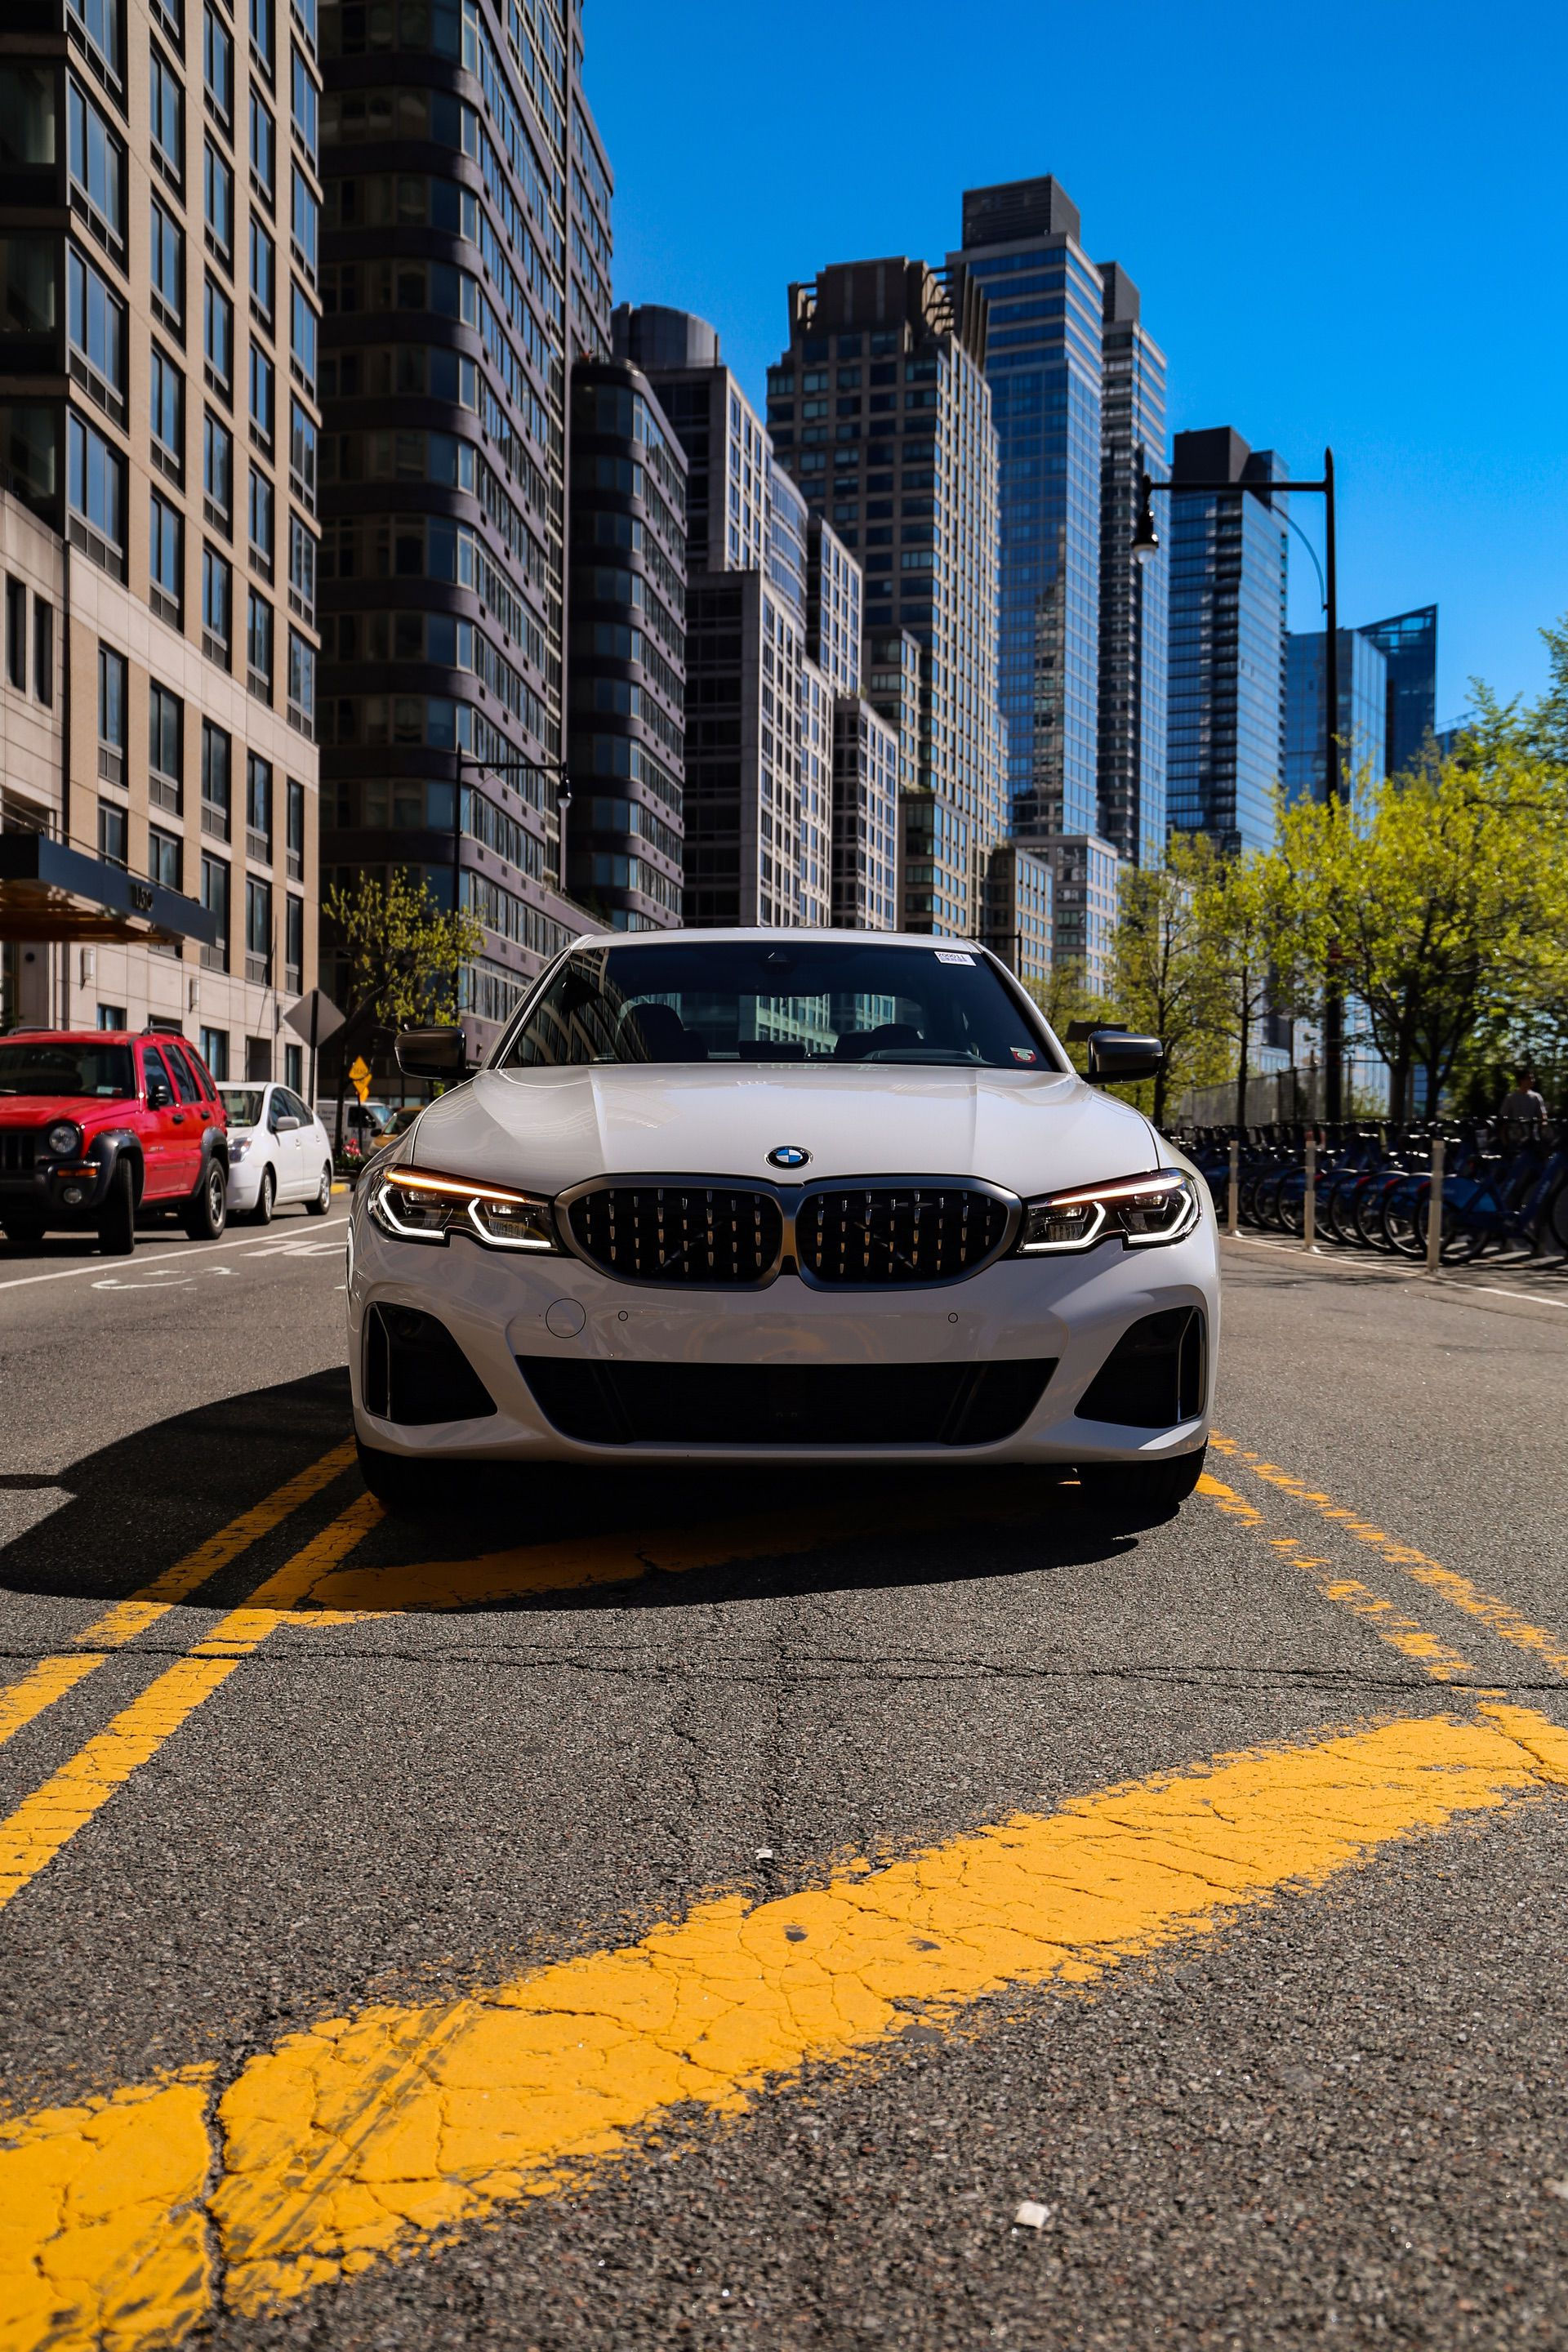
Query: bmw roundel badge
[788,1155]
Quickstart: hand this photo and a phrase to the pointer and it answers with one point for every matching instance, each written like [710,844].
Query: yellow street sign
[359,1076]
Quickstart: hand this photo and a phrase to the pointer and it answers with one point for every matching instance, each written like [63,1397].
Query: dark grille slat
[719,1235]
[18,1151]
[924,1234]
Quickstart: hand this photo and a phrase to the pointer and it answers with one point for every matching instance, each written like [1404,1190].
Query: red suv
[97,1125]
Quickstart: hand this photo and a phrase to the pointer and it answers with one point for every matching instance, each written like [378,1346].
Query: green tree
[1257,923]
[399,954]
[1165,980]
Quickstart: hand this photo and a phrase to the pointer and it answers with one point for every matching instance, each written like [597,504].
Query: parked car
[99,1128]
[364,1123]
[755,1196]
[279,1151]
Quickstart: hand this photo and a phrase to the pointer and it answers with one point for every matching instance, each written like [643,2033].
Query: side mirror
[160,1094]
[288,1127]
[433,1054]
[1115,1056]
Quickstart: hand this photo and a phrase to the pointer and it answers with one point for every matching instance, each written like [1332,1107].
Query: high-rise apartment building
[466,264]
[881,412]
[627,651]
[1363,719]
[1409,643]
[1044,365]
[1134,597]
[1225,742]
[159,375]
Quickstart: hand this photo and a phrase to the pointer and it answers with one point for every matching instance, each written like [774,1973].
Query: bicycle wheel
[1396,1216]
[1368,1214]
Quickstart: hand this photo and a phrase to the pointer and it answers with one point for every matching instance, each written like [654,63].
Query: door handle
[179,1118]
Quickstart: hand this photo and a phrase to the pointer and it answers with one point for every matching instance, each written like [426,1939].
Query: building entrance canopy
[50,892]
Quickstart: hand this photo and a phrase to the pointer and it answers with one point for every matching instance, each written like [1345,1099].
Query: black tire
[1141,1494]
[117,1218]
[262,1212]
[321,1201]
[403,1484]
[205,1214]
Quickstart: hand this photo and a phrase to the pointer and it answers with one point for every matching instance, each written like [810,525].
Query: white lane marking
[191,1249]
[1453,1283]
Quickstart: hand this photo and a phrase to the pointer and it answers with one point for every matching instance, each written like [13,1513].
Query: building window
[99,21]
[217,471]
[166,559]
[217,775]
[95,495]
[258,808]
[166,390]
[258,646]
[301,685]
[215,899]
[303,457]
[263,397]
[166,749]
[111,699]
[261,39]
[218,338]
[215,1042]
[302,338]
[263,145]
[294,947]
[295,831]
[305,221]
[113,834]
[95,326]
[306,102]
[165,852]
[263,267]
[16,635]
[258,931]
[218,605]
[112,1016]
[261,525]
[294,1056]
[97,160]
[217,198]
[166,106]
[44,652]
[168,269]
[301,570]
[217,65]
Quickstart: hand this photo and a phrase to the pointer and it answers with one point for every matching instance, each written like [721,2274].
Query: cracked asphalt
[1338,2115]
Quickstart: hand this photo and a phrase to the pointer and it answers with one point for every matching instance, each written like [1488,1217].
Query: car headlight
[63,1139]
[415,1207]
[1139,1210]
[238,1145]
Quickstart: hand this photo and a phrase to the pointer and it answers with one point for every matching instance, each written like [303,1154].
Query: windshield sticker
[1024,1054]
[947,955]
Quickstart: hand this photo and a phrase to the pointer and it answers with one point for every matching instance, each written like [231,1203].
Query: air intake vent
[1155,1376]
[814,1405]
[416,1373]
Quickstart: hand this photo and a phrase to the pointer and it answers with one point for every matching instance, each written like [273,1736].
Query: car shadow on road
[514,1539]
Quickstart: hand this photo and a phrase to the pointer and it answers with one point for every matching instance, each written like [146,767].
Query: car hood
[543,1131]
[41,1110]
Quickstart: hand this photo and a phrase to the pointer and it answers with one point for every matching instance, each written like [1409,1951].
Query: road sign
[359,1076]
[315,1017]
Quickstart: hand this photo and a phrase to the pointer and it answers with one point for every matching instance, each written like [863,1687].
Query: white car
[772,1195]
[278,1152]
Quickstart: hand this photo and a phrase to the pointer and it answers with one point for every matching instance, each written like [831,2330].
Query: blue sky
[1345,221]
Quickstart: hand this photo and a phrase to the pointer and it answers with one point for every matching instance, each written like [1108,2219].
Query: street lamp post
[484,767]
[1145,543]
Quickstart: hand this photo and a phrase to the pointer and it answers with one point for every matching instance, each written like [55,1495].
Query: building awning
[50,892]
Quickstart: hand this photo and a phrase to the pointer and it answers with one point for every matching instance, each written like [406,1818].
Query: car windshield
[65,1065]
[243,1104]
[796,1001]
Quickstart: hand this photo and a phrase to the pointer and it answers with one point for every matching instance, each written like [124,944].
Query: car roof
[776,932]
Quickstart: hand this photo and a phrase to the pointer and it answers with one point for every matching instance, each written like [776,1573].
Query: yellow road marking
[365,2137]
[1460,1591]
[45,1823]
[52,1676]
[1401,1633]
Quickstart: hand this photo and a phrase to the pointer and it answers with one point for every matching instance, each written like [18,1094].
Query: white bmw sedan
[758,1196]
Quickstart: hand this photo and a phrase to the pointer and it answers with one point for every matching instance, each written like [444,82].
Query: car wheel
[321,1199]
[117,1218]
[207,1210]
[407,1486]
[1140,1494]
[262,1212]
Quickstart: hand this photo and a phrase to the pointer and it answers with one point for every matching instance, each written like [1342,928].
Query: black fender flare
[112,1145]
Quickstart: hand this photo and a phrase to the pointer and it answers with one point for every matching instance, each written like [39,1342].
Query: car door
[285,1134]
[158,1134]
[188,1120]
[311,1147]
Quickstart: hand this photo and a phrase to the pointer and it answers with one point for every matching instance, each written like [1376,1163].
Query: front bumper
[61,1191]
[498,1307]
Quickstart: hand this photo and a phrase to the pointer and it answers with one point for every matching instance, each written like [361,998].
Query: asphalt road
[316,1915]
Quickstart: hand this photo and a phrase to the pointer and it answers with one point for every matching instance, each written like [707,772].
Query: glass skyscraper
[1134,597]
[1409,644]
[1225,737]
[1362,714]
[1044,365]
